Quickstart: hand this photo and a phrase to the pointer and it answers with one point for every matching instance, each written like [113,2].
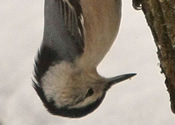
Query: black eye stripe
[90,92]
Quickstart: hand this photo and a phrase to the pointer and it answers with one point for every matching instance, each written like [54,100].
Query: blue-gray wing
[63,34]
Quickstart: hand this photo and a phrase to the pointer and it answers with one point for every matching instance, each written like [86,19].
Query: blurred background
[143,100]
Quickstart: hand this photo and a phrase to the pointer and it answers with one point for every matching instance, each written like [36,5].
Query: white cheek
[55,80]
[87,101]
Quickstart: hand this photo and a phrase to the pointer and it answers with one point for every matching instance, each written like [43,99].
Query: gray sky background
[143,100]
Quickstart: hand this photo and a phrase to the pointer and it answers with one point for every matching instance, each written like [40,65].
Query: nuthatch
[77,35]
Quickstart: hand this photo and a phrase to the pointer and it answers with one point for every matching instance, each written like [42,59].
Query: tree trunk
[160,16]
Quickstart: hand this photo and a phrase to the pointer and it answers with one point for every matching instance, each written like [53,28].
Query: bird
[77,35]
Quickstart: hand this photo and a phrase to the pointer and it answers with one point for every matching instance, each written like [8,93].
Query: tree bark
[160,16]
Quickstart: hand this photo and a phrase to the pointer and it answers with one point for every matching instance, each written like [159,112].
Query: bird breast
[101,23]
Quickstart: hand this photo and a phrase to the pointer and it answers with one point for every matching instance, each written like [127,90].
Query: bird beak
[116,79]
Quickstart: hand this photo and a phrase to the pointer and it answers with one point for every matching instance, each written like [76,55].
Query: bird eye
[90,92]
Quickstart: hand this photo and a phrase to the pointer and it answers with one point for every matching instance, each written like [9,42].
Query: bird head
[74,94]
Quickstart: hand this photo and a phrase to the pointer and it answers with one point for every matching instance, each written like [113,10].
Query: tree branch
[160,16]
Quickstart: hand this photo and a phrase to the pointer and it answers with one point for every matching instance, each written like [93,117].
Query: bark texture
[160,16]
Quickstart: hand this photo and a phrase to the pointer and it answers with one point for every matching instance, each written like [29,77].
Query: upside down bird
[77,35]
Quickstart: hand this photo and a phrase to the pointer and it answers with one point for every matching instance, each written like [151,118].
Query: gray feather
[63,35]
